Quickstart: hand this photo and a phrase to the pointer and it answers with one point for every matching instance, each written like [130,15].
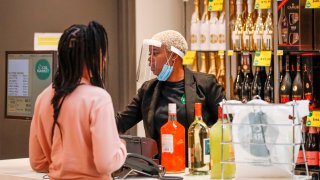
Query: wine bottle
[205,28]
[237,32]
[297,91]
[246,86]
[249,28]
[300,163]
[198,144]
[258,32]
[214,34]
[238,84]
[269,87]
[312,149]
[195,27]
[173,155]
[212,70]
[257,85]
[285,87]
[307,86]
[221,75]
[268,32]
[204,62]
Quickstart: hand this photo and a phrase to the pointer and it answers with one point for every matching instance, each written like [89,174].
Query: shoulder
[92,94]
[148,84]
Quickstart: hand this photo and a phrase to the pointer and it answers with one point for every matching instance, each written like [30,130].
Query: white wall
[153,16]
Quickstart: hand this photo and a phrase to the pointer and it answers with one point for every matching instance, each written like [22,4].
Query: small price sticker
[313,119]
[279,52]
[221,52]
[189,57]
[230,52]
[312,4]
[215,5]
[262,58]
[262,4]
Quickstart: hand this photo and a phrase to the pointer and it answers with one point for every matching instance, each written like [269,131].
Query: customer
[174,84]
[73,132]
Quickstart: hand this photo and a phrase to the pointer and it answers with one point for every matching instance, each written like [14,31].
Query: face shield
[147,63]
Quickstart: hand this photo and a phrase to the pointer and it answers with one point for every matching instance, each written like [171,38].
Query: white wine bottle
[268,32]
[249,28]
[195,27]
[258,32]
[205,28]
[198,144]
[237,32]
[214,34]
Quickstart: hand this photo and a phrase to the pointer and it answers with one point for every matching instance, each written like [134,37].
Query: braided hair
[79,46]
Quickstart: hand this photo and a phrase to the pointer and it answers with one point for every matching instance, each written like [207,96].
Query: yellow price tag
[279,52]
[215,5]
[312,4]
[313,119]
[262,4]
[189,57]
[262,58]
[230,52]
[221,52]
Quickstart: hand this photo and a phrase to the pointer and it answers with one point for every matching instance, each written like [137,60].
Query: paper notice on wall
[46,41]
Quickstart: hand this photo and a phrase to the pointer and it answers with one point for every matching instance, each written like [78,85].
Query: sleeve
[37,158]
[132,113]
[215,94]
[109,152]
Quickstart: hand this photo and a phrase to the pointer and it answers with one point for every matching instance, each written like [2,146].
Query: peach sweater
[90,147]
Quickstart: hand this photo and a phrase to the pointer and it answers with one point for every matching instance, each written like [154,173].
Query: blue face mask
[165,72]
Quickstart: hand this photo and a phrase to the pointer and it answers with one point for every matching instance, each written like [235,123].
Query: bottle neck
[172,116]
[198,111]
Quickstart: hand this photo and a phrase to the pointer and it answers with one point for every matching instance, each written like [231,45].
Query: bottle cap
[172,108]
[198,109]
[220,113]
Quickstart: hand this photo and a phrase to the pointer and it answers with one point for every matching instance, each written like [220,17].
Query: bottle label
[206,150]
[308,96]
[296,98]
[284,99]
[312,158]
[167,143]
[300,159]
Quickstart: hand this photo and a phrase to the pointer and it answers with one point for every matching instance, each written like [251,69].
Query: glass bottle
[198,144]
[285,87]
[300,163]
[246,86]
[312,149]
[204,62]
[221,75]
[258,32]
[297,92]
[268,32]
[307,86]
[257,85]
[173,155]
[195,27]
[214,34]
[205,28]
[237,32]
[249,29]
[212,70]
[269,87]
[238,84]
[216,148]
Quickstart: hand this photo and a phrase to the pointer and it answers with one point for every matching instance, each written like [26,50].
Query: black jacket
[199,87]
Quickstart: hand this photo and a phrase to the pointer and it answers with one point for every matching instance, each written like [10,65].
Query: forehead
[155,48]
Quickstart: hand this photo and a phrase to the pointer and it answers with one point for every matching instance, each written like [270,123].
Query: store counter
[19,169]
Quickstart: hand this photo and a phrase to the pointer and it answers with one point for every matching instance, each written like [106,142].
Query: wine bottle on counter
[307,86]
[285,87]
[269,87]
[297,83]
[257,85]
[246,86]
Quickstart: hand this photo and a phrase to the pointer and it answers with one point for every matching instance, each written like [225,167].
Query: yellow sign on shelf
[279,52]
[262,4]
[230,52]
[262,58]
[313,119]
[312,4]
[221,52]
[189,57]
[215,5]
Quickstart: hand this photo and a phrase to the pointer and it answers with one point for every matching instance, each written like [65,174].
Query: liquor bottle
[281,71]
[214,34]
[312,149]
[221,75]
[195,27]
[293,70]
[269,87]
[237,32]
[307,88]
[297,92]
[246,86]
[300,163]
[216,148]
[283,27]
[285,87]
[204,62]
[198,144]
[258,32]
[249,28]
[212,70]
[268,32]
[205,28]
[257,86]
[238,84]
[173,155]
